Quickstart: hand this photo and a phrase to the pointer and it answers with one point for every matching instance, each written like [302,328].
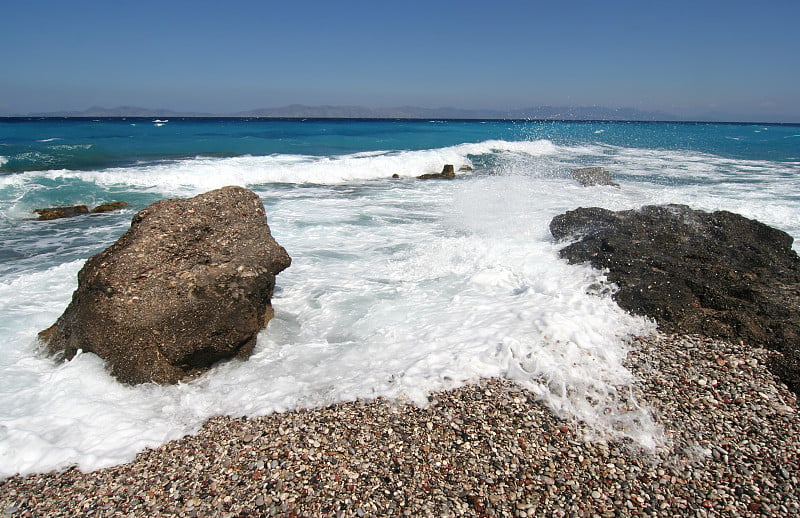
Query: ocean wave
[199,174]
[706,181]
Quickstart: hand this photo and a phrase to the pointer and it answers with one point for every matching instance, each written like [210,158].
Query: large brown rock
[187,285]
[716,274]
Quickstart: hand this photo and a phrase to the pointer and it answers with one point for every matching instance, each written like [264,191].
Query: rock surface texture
[189,284]
[715,274]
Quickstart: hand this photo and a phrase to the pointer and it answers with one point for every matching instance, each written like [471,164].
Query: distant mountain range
[402,112]
[415,112]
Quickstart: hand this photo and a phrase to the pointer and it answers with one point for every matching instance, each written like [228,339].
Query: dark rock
[395,176]
[448,172]
[189,284]
[109,207]
[465,168]
[716,274]
[77,210]
[588,176]
[50,213]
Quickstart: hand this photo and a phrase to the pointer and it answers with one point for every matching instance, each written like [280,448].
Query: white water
[397,288]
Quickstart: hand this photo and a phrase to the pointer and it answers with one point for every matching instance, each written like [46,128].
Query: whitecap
[200,174]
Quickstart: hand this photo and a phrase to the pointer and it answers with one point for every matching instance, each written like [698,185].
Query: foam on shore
[732,437]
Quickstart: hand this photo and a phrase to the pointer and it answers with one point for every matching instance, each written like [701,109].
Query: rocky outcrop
[189,284]
[589,176]
[51,213]
[716,274]
[448,173]
[109,207]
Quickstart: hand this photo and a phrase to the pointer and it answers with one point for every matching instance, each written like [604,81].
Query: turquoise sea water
[398,286]
[41,144]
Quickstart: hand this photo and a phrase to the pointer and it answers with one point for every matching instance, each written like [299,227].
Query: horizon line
[598,113]
[387,118]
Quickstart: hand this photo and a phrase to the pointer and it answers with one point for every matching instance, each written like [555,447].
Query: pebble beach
[731,447]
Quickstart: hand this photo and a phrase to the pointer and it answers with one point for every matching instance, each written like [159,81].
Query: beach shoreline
[490,449]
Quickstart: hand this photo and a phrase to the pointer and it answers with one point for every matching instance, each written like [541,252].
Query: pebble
[491,449]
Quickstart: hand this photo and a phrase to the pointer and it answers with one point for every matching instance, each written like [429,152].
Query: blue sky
[684,57]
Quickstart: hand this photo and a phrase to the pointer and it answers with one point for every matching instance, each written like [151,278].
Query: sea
[398,287]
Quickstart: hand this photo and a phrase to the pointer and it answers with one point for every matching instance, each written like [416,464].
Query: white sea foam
[397,288]
[757,189]
[3,161]
[380,301]
[189,177]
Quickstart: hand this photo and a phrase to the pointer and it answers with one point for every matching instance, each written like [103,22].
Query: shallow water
[398,287]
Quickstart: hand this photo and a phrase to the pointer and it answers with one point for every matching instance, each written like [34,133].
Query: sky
[736,59]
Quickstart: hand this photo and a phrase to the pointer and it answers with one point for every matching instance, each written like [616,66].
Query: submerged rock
[448,172]
[189,284]
[51,213]
[715,274]
[589,176]
[109,207]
